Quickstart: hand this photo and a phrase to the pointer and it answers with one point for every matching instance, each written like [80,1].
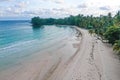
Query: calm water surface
[19,39]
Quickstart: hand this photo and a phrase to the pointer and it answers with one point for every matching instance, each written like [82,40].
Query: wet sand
[79,58]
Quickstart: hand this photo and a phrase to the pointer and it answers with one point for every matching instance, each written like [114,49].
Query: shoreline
[82,57]
[48,59]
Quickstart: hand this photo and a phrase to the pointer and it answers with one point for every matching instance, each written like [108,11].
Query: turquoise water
[19,39]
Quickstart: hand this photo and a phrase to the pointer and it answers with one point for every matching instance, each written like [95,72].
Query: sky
[26,9]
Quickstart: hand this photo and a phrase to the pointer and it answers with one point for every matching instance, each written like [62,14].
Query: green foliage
[88,22]
[36,21]
[105,26]
[116,46]
[112,34]
[117,19]
[91,31]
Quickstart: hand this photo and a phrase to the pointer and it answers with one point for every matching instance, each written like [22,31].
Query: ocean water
[19,39]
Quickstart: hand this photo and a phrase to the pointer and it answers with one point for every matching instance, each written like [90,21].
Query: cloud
[82,6]
[55,1]
[16,9]
[106,8]
[21,4]
[46,12]
[32,13]
[4,0]
[57,8]
[58,1]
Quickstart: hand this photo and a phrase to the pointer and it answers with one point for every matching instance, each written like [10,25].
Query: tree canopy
[112,34]
[107,26]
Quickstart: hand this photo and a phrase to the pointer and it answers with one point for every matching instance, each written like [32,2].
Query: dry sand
[78,58]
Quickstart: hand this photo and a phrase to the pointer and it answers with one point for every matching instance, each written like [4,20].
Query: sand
[79,58]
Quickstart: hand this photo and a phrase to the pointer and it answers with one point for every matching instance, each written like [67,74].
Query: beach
[82,57]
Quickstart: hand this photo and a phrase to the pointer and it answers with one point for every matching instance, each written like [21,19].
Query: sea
[19,39]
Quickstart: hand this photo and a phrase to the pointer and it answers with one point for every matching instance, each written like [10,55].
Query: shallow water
[19,39]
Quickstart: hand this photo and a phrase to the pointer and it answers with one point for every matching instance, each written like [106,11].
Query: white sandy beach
[82,58]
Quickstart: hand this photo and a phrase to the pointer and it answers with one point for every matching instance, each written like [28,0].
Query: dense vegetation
[107,27]
[116,46]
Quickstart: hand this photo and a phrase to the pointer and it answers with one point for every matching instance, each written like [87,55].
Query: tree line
[108,27]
